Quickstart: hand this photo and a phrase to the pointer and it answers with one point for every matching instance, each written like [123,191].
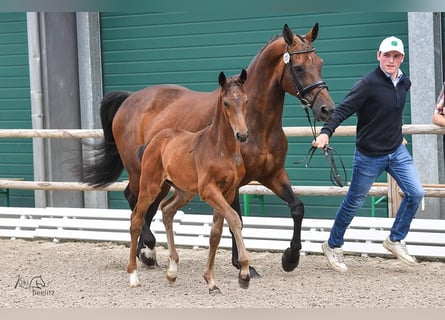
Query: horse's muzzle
[242,137]
[325,113]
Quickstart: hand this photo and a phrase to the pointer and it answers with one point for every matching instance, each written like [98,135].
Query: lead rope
[328,152]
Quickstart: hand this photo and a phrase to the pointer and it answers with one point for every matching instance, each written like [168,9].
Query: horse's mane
[274,38]
[264,47]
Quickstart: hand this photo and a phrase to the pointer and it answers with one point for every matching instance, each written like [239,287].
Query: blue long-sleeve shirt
[379,107]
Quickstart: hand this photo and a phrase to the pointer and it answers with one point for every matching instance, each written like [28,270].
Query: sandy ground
[43,274]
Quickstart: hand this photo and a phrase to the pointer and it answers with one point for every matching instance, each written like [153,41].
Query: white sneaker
[335,257]
[398,249]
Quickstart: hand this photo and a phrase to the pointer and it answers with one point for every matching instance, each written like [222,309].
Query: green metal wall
[142,49]
[15,107]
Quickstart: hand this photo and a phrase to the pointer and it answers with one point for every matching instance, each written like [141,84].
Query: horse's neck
[266,96]
[220,132]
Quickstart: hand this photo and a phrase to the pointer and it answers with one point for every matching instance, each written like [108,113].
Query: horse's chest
[237,160]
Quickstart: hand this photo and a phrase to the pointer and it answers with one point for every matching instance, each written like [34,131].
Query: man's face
[390,61]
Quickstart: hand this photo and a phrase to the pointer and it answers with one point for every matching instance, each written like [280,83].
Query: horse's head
[234,103]
[301,75]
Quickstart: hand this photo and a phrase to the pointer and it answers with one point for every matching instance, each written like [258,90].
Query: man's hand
[321,141]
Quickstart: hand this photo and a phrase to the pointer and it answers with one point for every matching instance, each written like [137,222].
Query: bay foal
[208,163]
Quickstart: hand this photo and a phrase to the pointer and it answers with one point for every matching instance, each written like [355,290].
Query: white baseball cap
[391,44]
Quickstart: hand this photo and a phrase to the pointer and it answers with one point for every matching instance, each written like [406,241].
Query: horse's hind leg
[137,220]
[215,237]
[146,250]
[169,208]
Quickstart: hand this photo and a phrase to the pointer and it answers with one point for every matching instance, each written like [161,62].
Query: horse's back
[147,111]
[152,109]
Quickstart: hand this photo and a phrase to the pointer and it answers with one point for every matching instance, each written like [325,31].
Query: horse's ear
[288,35]
[313,33]
[222,79]
[243,76]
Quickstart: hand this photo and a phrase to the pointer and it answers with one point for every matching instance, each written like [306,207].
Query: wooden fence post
[394,197]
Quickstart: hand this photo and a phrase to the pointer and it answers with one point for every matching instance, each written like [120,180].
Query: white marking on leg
[149,253]
[172,272]
[134,280]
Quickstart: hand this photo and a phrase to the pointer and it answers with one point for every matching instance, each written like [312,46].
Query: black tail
[105,166]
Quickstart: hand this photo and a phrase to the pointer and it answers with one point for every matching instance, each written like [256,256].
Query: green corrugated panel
[143,49]
[15,107]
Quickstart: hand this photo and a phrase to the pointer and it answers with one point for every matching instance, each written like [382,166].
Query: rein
[328,151]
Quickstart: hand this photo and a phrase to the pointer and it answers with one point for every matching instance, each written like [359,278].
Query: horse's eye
[298,68]
[226,104]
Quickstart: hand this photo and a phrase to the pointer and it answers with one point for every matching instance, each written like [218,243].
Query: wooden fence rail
[433,191]
[289,131]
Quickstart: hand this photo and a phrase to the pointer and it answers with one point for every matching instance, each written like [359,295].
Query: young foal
[207,162]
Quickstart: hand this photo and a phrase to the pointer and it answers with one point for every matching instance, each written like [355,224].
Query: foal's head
[233,100]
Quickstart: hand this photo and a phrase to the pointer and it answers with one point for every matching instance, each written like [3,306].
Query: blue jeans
[366,169]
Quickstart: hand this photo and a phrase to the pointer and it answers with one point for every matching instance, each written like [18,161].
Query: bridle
[301,91]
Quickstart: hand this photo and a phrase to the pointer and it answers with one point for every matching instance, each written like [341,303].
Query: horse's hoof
[171,279]
[214,291]
[243,283]
[253,273]
[290,259]
[135,285]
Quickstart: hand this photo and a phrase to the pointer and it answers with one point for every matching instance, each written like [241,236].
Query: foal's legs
[215,237]
[236,206]
[137,220]
[147,241]
[169,209]
[147,194]
[212,195]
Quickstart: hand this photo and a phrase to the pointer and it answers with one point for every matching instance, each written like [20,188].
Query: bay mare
[287,63]
[207,162]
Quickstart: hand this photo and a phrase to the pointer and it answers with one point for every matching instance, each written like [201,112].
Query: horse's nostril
[324,109]
[242,137]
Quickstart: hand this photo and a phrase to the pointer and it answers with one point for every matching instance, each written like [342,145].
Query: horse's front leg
[214,198]
[215,238]
[235,260]
[280,185]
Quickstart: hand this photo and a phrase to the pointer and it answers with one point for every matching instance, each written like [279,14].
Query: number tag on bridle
[286,57]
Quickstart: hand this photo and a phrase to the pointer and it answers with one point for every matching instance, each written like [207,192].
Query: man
[378,100]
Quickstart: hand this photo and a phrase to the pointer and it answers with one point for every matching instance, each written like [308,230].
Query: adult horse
[207,162]
[287,63]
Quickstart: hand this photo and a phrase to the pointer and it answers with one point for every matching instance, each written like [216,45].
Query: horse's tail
[106,165]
